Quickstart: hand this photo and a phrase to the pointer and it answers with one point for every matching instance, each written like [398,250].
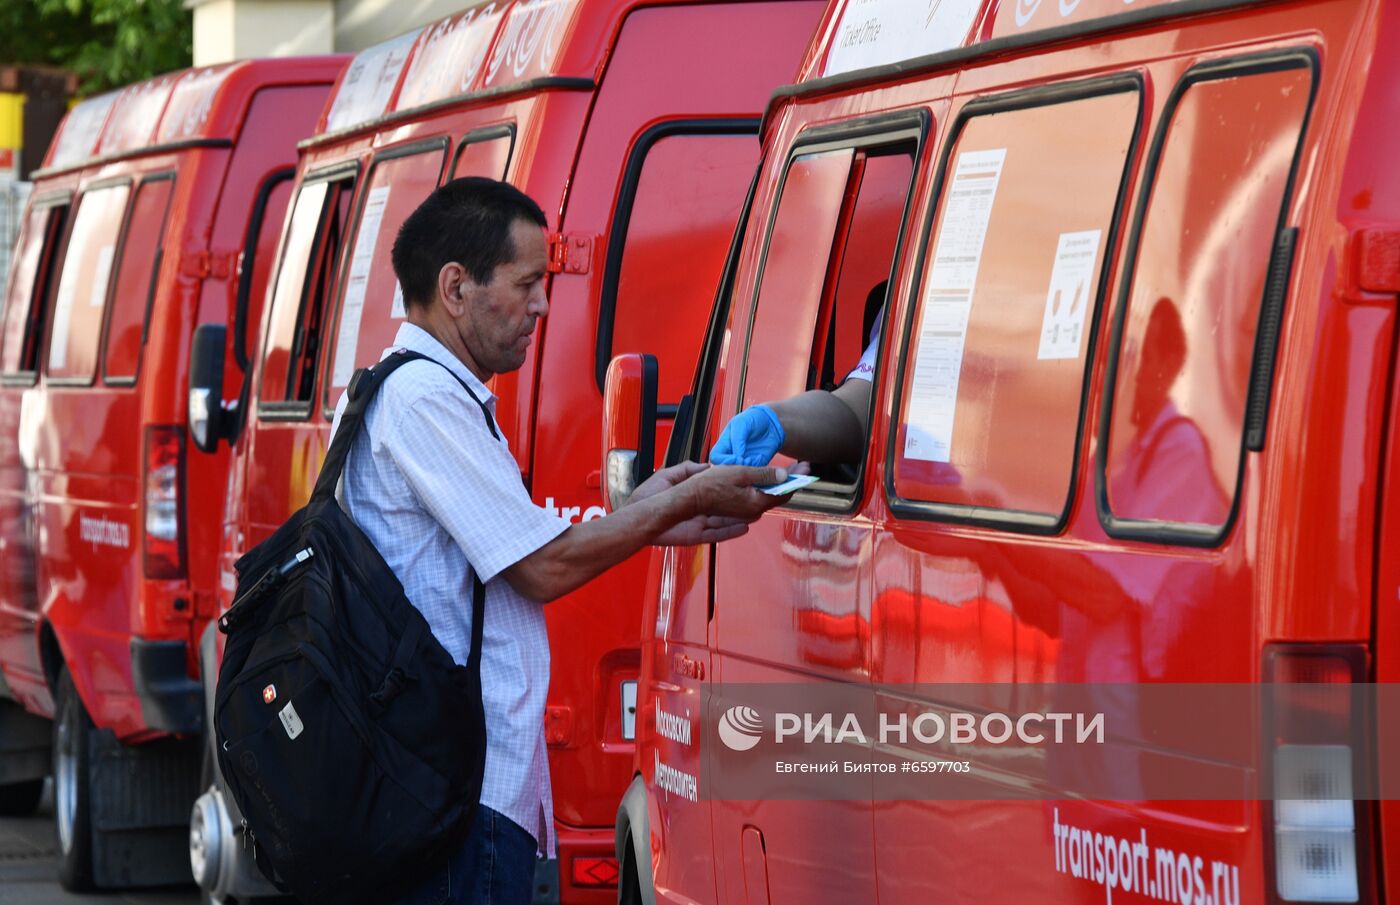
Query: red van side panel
[654,76]
[91,442]
[936,600]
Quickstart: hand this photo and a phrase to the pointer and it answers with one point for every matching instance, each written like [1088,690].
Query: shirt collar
[416,339]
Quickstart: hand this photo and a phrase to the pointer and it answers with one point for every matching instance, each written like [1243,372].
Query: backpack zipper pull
[301,557]
[270,579]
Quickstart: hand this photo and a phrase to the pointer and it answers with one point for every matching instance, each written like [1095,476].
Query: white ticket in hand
[791,485]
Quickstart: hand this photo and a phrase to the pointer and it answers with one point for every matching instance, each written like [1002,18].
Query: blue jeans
[495,866]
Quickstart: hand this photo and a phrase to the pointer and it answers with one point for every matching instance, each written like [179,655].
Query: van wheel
[21,798]
[629,887]
[72,794]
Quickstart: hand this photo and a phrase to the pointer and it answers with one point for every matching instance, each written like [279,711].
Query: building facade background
[237,29]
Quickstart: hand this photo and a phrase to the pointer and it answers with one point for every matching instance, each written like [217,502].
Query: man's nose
[539,301]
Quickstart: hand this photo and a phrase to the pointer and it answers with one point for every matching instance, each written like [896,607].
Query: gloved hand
[752,437]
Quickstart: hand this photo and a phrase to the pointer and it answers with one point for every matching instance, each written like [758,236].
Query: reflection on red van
[1132,421]
[634,126]
[158,208]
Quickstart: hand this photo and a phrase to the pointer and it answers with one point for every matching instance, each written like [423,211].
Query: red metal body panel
[695,67]
[892,593]
[73,450]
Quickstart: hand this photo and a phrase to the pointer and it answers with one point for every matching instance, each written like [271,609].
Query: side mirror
[629,426]
[206,411]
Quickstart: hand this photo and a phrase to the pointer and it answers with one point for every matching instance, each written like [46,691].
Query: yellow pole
[11,120]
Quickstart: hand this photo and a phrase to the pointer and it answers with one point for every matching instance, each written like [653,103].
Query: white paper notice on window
[63,318]
[397,310]
[962,231]
[101,273]
[348,340]
[1067,300]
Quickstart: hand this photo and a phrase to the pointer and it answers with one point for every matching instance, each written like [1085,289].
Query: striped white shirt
[439,496]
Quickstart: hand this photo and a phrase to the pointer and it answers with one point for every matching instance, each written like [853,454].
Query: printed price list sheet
[947,306]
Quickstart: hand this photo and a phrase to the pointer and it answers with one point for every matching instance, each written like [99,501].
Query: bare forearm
[819,427]
[586,550]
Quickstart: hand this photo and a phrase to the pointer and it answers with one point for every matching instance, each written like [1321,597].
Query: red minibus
[1133,421]
[634,125]
[159,207]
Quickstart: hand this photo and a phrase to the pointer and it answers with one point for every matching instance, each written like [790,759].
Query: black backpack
[351,741]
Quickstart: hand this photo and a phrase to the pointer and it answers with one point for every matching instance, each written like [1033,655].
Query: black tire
[629,887]
[20,799]
[72,732]
[207,778]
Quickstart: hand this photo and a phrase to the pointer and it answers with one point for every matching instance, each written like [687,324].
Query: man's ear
[453,287]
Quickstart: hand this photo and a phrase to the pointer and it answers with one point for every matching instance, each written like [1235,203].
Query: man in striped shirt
[439,494]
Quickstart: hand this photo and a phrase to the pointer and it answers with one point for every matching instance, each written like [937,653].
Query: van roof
[491,48]
[201,106]
[879,40]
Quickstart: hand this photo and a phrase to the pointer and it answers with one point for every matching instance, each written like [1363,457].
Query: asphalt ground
[29,867]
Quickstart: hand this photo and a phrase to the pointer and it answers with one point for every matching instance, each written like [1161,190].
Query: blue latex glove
[752,437]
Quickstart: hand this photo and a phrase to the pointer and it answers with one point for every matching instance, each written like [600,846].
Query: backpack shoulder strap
[362,390]
[363,387]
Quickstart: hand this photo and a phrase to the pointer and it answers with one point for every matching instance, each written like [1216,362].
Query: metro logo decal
[672,726]
[531,38]
[573,513]
[103,532]
[1027,14]
[1134,866]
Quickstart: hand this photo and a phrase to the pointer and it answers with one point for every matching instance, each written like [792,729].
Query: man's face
[500,315]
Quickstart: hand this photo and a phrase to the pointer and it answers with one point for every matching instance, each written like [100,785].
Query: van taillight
[165,509]
[1321,834]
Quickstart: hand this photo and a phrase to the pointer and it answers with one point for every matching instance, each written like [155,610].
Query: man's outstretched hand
[724,499]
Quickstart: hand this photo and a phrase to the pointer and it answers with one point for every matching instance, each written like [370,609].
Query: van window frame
[1013,520]
[1182,533]
[901,127]
[121,380]
[242,355]
[688,432]
[735,127]
[476,137]
[49,256]
[327,351]
[99,364]
[296,409]
[248,262]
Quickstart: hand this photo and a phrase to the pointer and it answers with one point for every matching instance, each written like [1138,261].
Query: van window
[993,383]
[484,154]
[794,271]
[827,264]
[259,259]
[135,278]
[371,306]
[310,253]
[678,230]
[1211,213]
[81,296]
[30,284]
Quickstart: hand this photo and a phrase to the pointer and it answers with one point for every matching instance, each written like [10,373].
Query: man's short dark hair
[468,221]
